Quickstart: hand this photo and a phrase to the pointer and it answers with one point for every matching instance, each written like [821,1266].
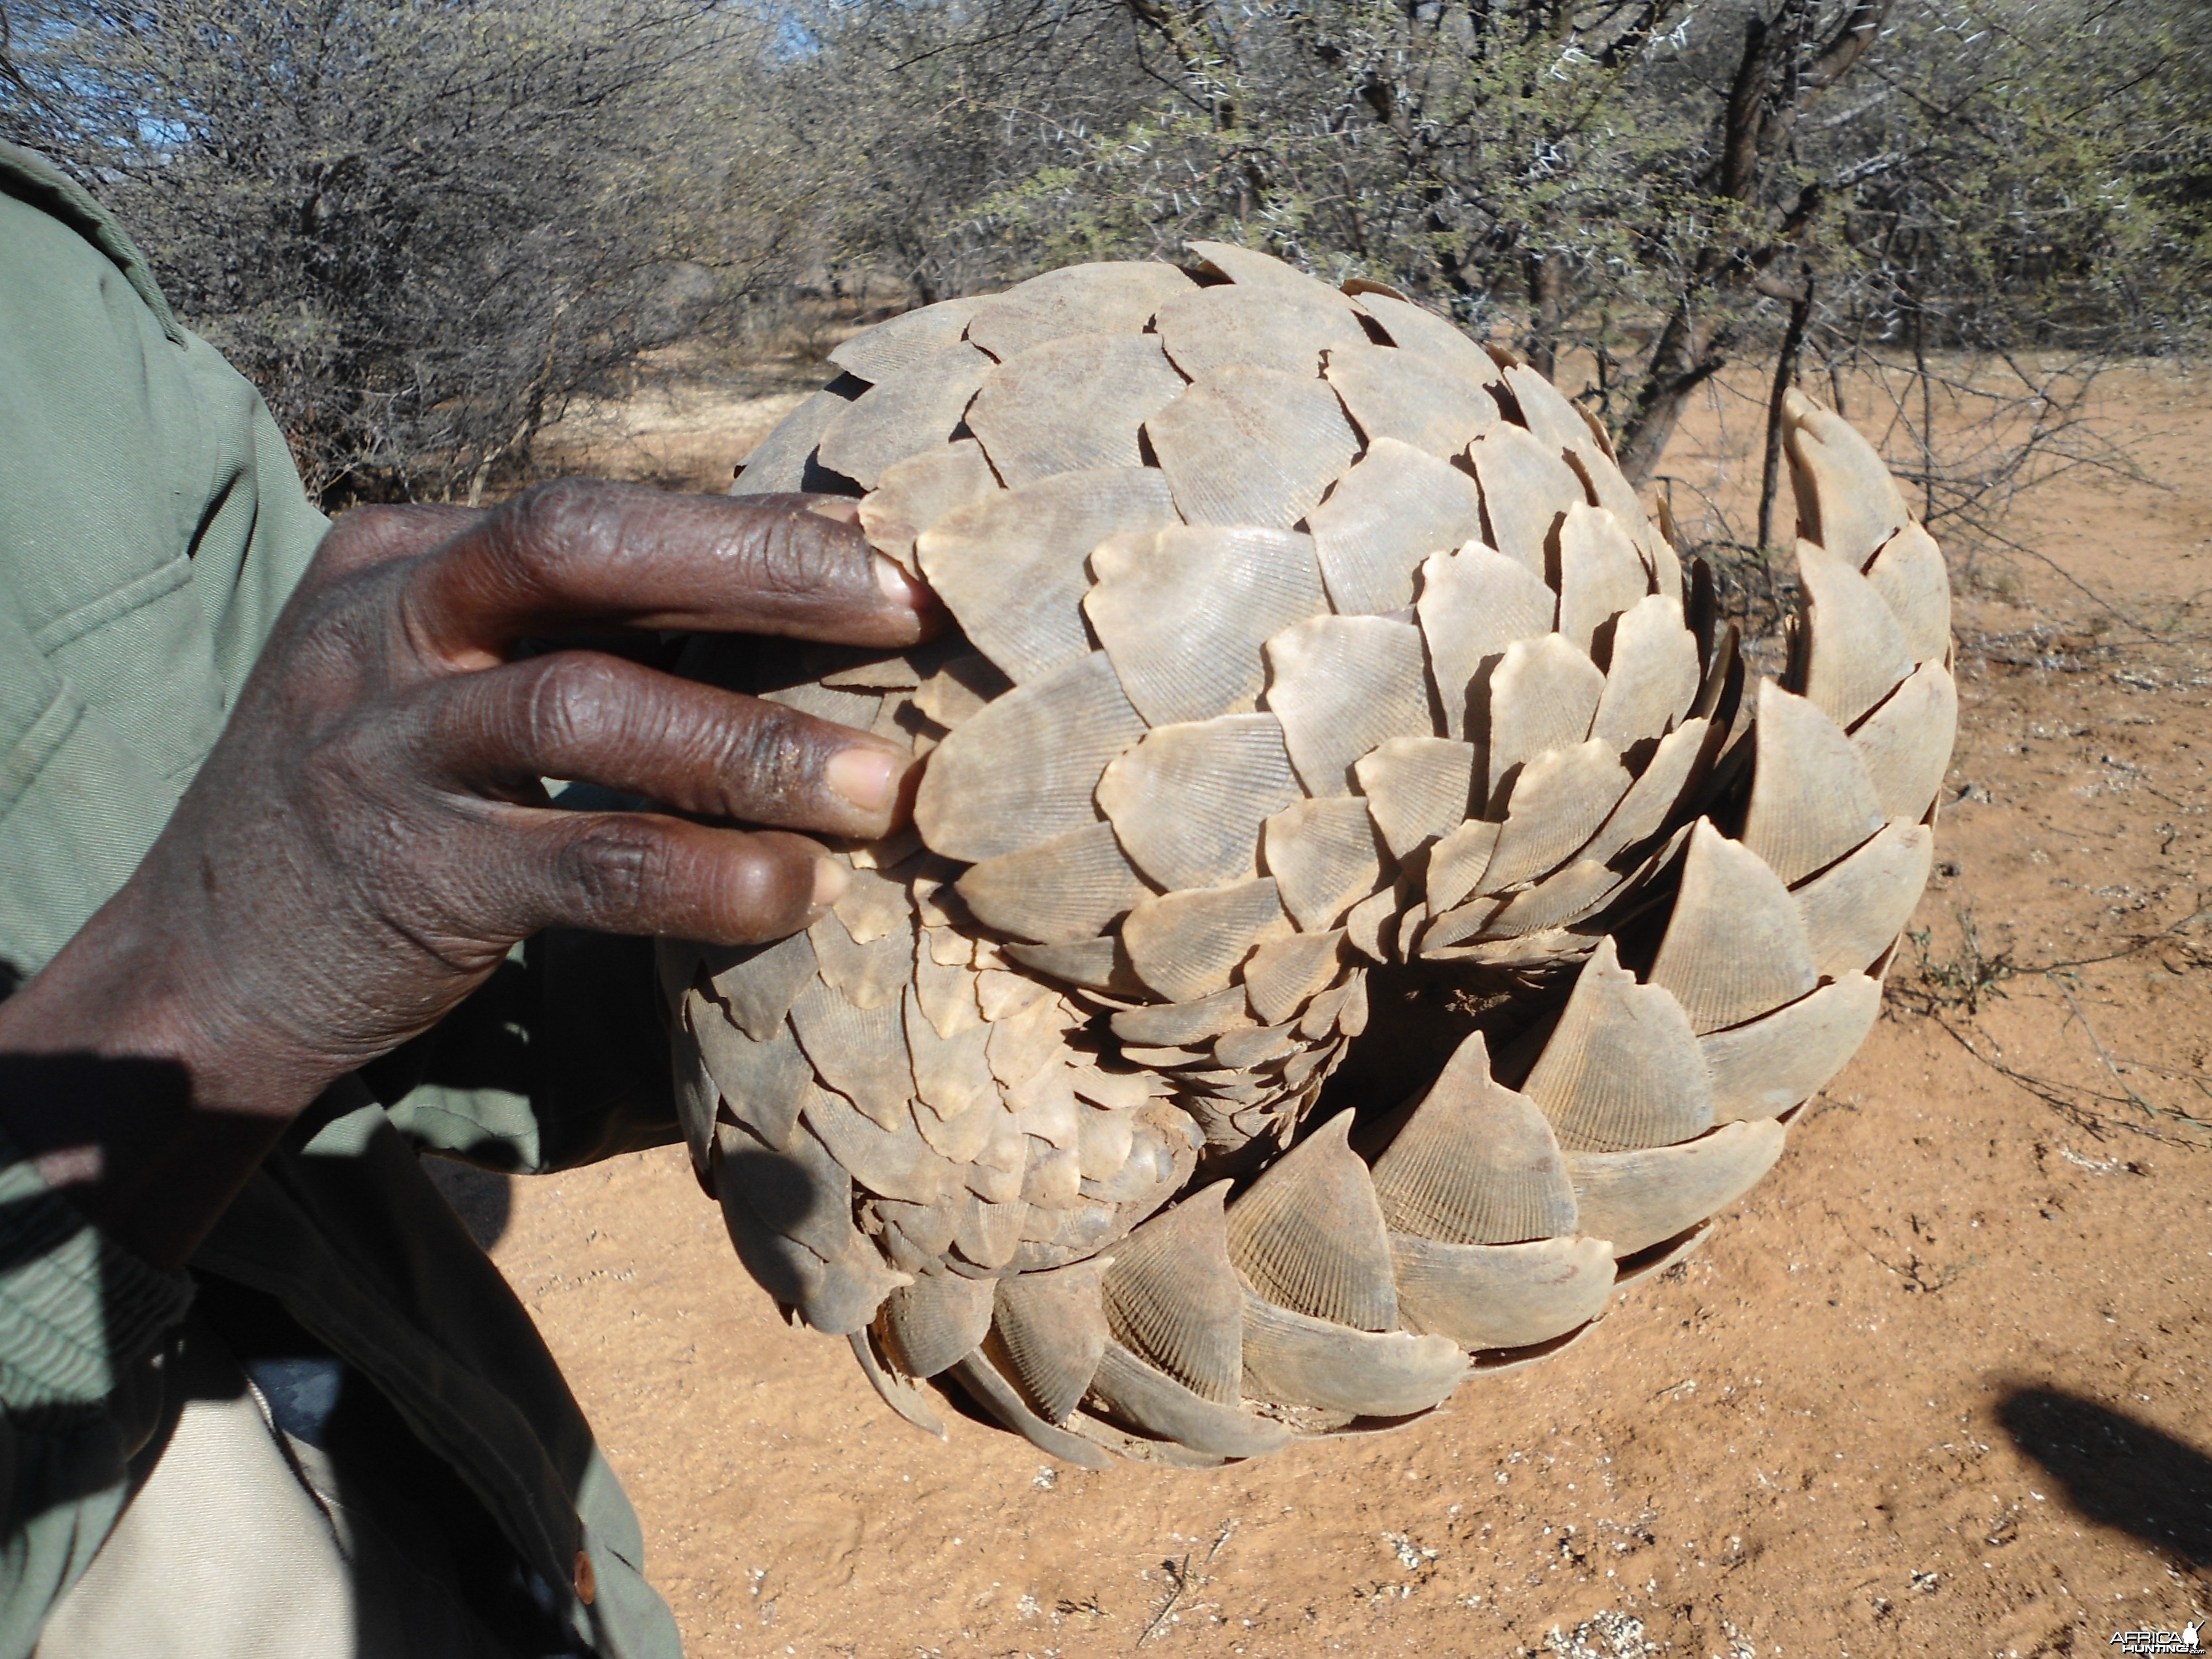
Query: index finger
[578,551]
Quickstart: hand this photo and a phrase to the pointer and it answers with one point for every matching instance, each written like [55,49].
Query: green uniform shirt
[151,526]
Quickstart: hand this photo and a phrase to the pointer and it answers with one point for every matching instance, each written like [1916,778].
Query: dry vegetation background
[429,229]
[1939,1384]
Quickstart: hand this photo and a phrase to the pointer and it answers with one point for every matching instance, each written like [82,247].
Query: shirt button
[588,1581]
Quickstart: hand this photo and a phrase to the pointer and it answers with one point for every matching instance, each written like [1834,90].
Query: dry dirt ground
[1936,1387]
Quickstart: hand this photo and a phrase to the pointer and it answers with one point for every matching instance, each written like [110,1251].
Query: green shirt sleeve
[151,525]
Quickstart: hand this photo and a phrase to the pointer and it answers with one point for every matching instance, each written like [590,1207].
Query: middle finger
[692,747]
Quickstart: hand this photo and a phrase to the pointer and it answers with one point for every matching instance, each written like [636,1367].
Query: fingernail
[866,777]
[899,585]
[831,878]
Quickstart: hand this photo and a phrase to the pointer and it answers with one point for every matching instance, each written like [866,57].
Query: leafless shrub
[422,228]
[425,228]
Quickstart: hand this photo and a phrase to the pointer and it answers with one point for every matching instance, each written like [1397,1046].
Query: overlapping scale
[1185,944]
[1102,298]
[1622,1068]
[1601,573]
[780,461]
[1024,768]
[1182,613]
[1052,1332]
[1323,858]
[1012,566]
[1410,397]
[1847,503]
[1650,675]
[1904,744]
[1811,801]
[1233,326]
[1062,891]
[1736,945]
[1252,446]
[1171,1296]
[1857,653]
[1396,505]
[893,347]
[1341,686]
[757,985]
[764,1080]
[1473,604]
[1418,789]
[1764,1067]
[909,411]
[1635,1199]
[936,1321]
[1296,633]
[1501,1296]
[1308,1233]
[1528,489]
[1294,1359]
[1852,910]
[1910,574]
[1559,800]
[1476,1163]
[1186,800]
[1433,339]
[1031,430]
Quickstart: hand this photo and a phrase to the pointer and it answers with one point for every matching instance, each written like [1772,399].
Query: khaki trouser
[238,1544]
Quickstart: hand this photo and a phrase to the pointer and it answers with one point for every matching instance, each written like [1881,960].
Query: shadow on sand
[2117,1471]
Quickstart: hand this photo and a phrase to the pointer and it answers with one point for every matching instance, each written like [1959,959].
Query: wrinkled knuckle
[573,704]
[615,870]
[552,525]
[554,503]
[805,553]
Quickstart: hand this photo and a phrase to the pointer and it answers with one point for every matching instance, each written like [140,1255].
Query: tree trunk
[1688,353]
[1768,90]
[1785,376]
[1547,306]
[1927,410]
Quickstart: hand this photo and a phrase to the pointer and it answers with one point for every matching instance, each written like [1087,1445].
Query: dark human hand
[369,836]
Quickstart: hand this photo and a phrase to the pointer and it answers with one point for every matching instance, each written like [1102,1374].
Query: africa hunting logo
[2159,1641]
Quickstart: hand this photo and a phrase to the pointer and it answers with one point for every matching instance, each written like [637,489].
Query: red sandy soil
[1936,1387]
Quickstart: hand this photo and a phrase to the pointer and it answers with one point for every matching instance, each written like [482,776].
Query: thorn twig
[1183,1579]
